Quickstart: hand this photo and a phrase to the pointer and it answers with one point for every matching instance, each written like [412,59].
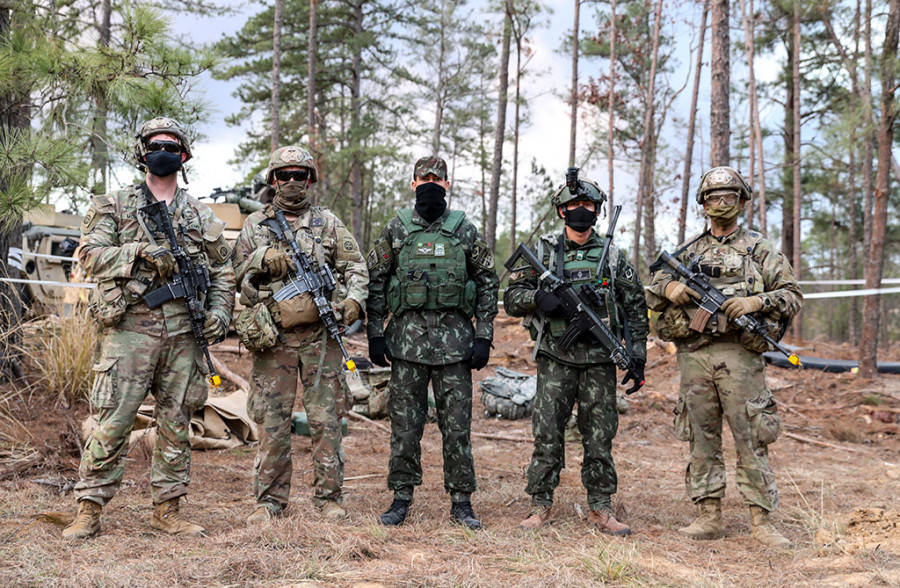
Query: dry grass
[59,349]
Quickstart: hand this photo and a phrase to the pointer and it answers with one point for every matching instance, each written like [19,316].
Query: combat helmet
[723,179]
[291,156]
[155,126]
[577,188]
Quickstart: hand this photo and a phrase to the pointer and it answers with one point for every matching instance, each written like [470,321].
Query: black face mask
[580,219]
[431,201]
[162,163]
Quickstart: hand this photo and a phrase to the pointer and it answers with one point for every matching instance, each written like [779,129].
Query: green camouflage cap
[430,165]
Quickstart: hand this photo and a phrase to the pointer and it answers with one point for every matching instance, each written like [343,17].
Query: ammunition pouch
[674,324]
[256,328]
[298,311]
[107,303]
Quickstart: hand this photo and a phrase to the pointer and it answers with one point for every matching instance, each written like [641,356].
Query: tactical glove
[479,354]
[547,302]
[349,310]
[160,258]
[636,375]
[379,352]
[277,263]
[680,294]
[738,307]
[214,329]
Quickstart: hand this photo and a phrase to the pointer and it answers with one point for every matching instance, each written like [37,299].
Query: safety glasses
[170,146]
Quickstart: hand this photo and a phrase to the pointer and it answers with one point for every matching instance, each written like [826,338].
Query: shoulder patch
[482,256]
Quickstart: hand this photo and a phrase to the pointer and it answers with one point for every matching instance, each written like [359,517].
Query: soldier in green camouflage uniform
[144,348]
[722,366]
[287,338]
[433,271]
[584,372]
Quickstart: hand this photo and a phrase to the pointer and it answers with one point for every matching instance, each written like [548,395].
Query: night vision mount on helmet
[723,179]
[577,189]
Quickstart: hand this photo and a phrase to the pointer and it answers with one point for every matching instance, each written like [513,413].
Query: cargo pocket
[764,421]
[256,404]
[682,423]
[198,390]
[105,391]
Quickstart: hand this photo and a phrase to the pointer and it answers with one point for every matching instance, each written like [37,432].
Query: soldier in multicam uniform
[722,367]
[583,373]
[144,348]
[432,270]
[287,338]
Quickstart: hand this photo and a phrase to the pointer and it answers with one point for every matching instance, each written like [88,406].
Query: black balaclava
[431,201]
[162,163]
[580,219]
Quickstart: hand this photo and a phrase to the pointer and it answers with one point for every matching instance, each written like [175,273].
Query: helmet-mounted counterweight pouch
[723,179]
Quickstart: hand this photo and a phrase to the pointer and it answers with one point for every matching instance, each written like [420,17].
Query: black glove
[636,375]
[479,354]
[547,302]
[379,352]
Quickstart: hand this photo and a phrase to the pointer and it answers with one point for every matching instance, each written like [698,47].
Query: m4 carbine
[711,300]
[578,306]
[320,283]
[188,283]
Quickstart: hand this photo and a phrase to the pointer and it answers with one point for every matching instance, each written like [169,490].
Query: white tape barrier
[844,282]
[87,285]
[850,293]
[46,256]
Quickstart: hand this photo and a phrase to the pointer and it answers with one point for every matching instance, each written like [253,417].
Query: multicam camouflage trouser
[273,388]
[559,387]
[408,407]
[725,378]
[130,363]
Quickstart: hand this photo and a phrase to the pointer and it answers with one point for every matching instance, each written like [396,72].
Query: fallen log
[230,375]
[803,439]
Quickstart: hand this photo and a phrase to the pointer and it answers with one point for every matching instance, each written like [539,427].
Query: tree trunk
[868,346]
[645,187]
[99,130]
[311,122]
[515,161]
[490,231]
[797,178]
[355,121]
[574,98]
[439,92]
[276,75]
[756,142]
[869,137]
[787,205]
[692,124]
[611,113]
[720,78]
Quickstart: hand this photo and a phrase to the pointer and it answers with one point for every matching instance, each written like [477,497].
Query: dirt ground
[837,462]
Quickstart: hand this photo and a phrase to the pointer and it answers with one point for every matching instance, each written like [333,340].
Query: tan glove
[277,263]
[159,258]
[738,307]
[349,310]
[214,329]
[679,294]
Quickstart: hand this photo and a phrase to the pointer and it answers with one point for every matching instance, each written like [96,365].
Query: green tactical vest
[581,266]
[431,269]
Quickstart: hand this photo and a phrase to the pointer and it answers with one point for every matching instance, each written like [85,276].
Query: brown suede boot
[261,514]
[86,523]
[537,518]
[763,531]
[709,524]
[333,511]
[167,517]
[608,524]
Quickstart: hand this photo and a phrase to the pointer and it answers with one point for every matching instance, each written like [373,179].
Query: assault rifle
[711,300]
[187,283]
[319,282]
[577,306]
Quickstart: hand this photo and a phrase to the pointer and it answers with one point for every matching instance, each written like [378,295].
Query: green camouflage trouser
[726,379]
[273,388]
[408,407]
[130,363]
[559,386]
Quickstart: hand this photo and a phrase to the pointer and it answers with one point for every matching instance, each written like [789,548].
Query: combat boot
[537,518]
[709,524]
[763,531]
[396,514]
[261,514]
[462,513]
[86,523]
[333,511]
[167,517]
[607,523]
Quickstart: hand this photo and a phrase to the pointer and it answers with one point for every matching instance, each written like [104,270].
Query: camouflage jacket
[744,263]
[627,295]
[321,235]
[111,235]
[438,337]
